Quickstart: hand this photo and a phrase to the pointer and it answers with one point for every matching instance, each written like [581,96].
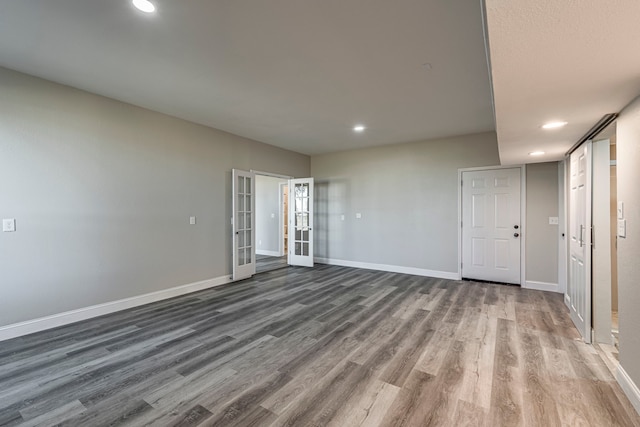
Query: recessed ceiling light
[553,125]
[359,128]
[144,5]
[536,153]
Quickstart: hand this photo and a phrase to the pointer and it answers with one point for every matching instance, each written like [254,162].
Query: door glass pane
[248,238]
[241,260]
[302,190]
[248,203]
[249,255]
[305,249]
[298,248]
[302,220]
[248,223]
[241,221]
[240,203]
[241,239]
[298,234]
[241,184]
[305,236]
[248,186]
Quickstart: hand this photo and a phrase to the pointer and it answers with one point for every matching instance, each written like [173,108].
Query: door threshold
[469,279]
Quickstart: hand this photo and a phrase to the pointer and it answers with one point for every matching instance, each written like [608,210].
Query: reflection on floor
[268,263]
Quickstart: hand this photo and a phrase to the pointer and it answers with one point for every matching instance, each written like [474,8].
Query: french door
[300,222]
[491,225]
[579,286]
[299,230]
[243,224]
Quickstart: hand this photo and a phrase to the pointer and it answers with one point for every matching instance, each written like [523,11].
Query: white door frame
[281,216]
[523,216]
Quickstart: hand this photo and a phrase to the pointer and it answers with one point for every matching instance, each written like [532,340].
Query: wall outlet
[192,220]
[553,220]
[9,225]
[358,215]
[273,215]
[342,217]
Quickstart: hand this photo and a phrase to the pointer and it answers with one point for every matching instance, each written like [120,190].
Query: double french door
[299,230]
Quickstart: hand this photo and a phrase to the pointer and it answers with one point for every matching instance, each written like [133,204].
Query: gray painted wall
[102,192]
[628,168]
[407,195]
[542,239]
[268,205]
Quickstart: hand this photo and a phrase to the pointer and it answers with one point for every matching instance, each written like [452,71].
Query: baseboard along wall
[68,317]
[390,268]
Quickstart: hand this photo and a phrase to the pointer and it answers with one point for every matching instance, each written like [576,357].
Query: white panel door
[243,224]
[491,225]
[579,286]
[300,228]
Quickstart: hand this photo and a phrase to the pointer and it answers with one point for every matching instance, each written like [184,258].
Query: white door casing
[579,286]
[300,237]
[243,224]
[491,225]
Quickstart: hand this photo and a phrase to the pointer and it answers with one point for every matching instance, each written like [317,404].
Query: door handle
[581,240]
[516,235]
[516,227]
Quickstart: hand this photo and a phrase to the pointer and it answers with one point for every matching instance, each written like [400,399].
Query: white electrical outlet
[342,217]
[192,220]
[273,215]
[8,225]
[553,220]
[358,215]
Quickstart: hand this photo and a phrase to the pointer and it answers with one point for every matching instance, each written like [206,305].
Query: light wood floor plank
[330,346]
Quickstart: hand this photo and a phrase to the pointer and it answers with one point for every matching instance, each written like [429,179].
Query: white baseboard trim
[267,253]
[389,268]
[61,319]
[629,387]
[566,300]
[541,286]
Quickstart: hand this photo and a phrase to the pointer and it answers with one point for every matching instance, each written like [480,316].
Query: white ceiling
[563,60]
[298,74]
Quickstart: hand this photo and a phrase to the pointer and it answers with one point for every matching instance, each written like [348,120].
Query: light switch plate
[622,228]
[192,220]
[358,215]
[553,220]
[620,210]
[342,217]
[8,225]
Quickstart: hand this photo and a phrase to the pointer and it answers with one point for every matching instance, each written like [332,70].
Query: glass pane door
[301,222]
[243,224]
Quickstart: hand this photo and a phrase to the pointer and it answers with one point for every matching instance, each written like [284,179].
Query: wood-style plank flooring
[329,346]
[269,263]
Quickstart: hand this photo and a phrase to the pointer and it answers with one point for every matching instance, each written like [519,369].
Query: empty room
[319,213]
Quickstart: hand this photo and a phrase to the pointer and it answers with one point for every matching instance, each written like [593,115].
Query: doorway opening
[614,239]
[271,215]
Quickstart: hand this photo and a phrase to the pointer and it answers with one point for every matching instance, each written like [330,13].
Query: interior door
[300,228]
[243,224]
[491,225]
[579,286]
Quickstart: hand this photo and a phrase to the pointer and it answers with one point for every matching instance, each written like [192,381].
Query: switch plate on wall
[9,225]
[553,220]
[192,220]
[358,215]
[620,210]
[622,228]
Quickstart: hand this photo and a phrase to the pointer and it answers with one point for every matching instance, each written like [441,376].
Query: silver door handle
[581,240]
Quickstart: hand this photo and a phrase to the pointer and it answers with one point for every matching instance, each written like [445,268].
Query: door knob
[516,235]
[516,227]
